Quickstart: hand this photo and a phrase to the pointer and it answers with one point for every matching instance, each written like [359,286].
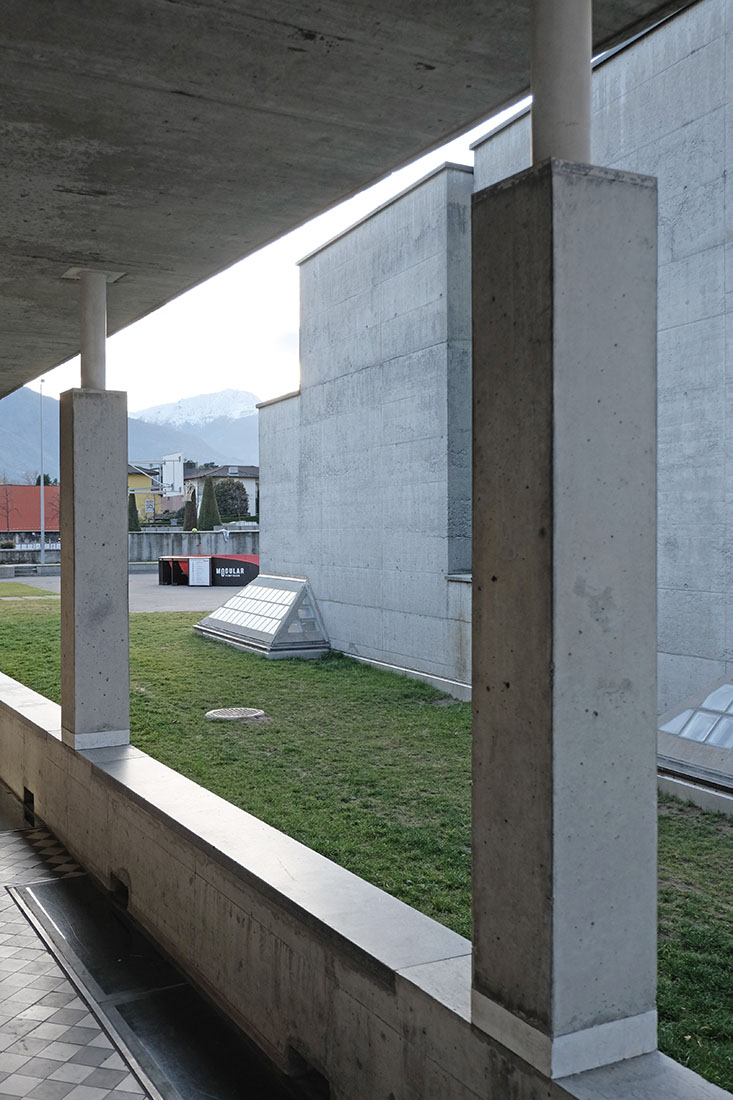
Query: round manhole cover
[235,714]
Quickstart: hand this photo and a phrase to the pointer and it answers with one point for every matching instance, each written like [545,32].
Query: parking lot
[146,594]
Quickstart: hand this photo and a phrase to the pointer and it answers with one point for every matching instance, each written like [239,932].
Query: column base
[564,1055]
[96,739]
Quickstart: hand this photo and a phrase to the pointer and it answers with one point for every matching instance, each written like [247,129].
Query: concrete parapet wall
[151,545]
[312,962]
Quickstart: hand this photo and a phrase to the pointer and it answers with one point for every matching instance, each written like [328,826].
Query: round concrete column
[561,80]
[93,329]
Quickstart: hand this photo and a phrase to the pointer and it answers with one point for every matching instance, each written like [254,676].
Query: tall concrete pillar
[564,643]
[95,676]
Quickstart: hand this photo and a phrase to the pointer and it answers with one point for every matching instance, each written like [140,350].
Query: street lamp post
[43,494]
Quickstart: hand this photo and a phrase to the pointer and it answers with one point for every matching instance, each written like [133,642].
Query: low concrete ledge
[19,703]
[315,964]
[20,570]
[376,930]
[54,570]
[715,802]
[457,688]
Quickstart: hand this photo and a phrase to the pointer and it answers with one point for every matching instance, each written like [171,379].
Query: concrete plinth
[95,707]
[564,308]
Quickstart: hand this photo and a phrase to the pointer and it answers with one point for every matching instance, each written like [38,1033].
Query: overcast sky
[239,330]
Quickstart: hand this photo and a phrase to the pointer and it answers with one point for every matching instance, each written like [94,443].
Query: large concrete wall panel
[504,154]
[370,294]
[677,95]
[386,332]
[372,501]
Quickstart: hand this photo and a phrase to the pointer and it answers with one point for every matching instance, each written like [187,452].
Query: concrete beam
[564,591]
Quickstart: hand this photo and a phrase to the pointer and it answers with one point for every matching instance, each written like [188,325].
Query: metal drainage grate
[235,714]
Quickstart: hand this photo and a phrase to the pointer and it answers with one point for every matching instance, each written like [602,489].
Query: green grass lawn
[372,770]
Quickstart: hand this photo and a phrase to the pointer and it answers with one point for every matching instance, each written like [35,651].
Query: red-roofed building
[20,507]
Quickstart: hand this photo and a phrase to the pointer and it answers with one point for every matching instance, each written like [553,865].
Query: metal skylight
[710,723]
[276,616]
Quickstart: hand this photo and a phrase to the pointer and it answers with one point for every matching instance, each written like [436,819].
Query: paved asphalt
[146,594]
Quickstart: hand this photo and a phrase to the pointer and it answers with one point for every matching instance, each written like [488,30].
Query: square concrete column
[564,644]
[95,675]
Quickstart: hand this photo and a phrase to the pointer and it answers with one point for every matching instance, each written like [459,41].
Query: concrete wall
[151,545]
[365,475]
[663,107]
[319,967]
[17,557]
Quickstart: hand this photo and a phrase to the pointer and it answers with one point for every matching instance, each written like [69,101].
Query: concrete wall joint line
[368,367]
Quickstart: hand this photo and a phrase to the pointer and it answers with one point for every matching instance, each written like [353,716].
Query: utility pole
[43,488]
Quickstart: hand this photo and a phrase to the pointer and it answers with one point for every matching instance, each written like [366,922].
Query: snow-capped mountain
[196,411]
[208,436]
[225,422]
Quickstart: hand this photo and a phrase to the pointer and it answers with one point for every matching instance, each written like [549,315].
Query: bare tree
[29,477]
[7,507]
[52,511]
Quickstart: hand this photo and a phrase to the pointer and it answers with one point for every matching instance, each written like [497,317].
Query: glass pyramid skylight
[695,741]
[710,722]
[276,616]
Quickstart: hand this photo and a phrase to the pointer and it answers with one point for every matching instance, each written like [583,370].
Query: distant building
[20,509]
[248,475]
[145,484]
[171,475]
[158,485]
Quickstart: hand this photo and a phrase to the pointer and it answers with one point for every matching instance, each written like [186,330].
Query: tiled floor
[51,1046]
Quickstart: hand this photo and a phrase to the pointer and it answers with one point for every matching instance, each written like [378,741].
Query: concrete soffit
[165,142]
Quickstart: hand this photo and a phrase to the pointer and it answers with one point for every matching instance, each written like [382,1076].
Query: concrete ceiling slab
[167,139]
